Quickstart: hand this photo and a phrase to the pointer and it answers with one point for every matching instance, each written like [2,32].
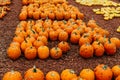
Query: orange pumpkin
[64,46]
[98,48]
[74,38]
[52,75]
[116,41]
[43,39]
[13,52]
[12,75]
[25,44]
[30,38]
[53,35]
[68,74]
[78,78]
[87,74]
[23,15]
[18,39]
[63,36]
[43,33]
[55,52]
[43,52]
[34,74]
[30,52]
[86,50]
[110,47]
[118,78]
[37,43]
[103,72]
[25,2]
[116,70]
[15,44]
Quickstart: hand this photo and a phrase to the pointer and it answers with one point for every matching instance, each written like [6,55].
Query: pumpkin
[18,39]
[68,74]
[86,51]
[55,52]
[98,48]
[63,36]
[66,15]
[116,41]
[116,70]
[51,15]
[37,43]
[43,39]
[15,44]
[34,74]
[36,14]
[43,52]
[118,78]
[69,29]
[30,52]
[59,15]
[64,46]
[25,44]
[87,74]
[84,39]
[103,39]
[74,38]
[30,38]
[12,75]
[23,15]
[103,72]
[43,33]
[92,24]
[110,47]
[14,52]
[78,78]
[53,35]
[52,75]
[25,2]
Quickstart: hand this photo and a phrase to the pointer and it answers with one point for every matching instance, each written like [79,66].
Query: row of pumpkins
[31,38]
[101,72]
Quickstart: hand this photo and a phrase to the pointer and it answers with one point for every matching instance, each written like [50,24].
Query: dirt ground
[69,60]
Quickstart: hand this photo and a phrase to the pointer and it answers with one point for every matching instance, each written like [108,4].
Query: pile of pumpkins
[4,8]
[32,36]
[101,72]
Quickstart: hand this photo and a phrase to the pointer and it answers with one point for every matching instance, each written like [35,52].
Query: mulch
[70,60]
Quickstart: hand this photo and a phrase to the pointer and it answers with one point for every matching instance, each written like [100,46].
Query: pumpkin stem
[72,71]
[64,22]
[12,71]
[75,33]
[105,67]
[34,69]
[33,31]
[109,40]
[25,40]
[52,74]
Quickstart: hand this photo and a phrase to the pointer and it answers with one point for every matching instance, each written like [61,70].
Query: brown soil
[69,60]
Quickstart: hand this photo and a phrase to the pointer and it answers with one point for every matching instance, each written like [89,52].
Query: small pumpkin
[34,74]
[30,52]
[68,74]
[116,70]
[87,74]
[15,44]
[14,52]
[63,36]
[86,51]
[98,48]
[25,44]
[43,39]
[37,43]
[110,47]
[43,52]
[118,78]
[53,35]
[18,39]
[56,52]
[30,38]
[74,38]
[64,46]
[116,41]
[12,75]
[52,75]
[103,72]
[84,39]
[23,15]
[43,33]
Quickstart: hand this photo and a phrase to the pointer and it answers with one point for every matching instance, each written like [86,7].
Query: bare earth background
[70,60]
